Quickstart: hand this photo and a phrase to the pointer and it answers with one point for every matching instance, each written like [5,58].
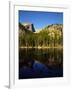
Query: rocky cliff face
[55,27]
[27,26]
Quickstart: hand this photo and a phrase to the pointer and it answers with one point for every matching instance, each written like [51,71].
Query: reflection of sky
[40,67]
[39,70]
[40,19]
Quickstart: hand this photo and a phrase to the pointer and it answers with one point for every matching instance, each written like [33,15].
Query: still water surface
[40,63]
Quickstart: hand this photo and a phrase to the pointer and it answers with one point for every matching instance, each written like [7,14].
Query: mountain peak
[29,26]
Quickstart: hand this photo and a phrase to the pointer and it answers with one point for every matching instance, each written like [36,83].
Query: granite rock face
[27,26]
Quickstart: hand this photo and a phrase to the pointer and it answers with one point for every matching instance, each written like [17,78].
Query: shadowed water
[40,63]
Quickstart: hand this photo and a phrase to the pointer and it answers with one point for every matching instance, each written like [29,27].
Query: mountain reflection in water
[40,63]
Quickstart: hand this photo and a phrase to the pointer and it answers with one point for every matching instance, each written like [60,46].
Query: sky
[40,19]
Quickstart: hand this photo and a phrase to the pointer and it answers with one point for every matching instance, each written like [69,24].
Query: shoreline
[22,47]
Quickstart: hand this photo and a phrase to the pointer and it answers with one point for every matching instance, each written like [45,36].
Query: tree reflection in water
[38,63]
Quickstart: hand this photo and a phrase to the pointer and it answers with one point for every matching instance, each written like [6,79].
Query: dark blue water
[37,63]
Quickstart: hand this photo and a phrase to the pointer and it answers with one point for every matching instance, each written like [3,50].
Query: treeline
[44,38]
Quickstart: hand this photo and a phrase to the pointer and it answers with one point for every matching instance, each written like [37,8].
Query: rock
[29,26]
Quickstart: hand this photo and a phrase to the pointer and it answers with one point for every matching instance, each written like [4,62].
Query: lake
[40,63]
